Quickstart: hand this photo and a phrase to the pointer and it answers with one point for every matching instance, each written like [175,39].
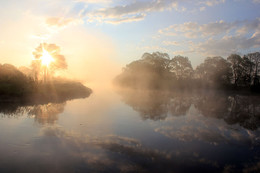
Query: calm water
[129,131]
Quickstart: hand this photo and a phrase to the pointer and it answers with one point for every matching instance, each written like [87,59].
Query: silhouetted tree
[215,71]
[181,66]
[13,82]
[255,59]
[161,60]
[237,67]
[151,71]
[157,71]
[247,71]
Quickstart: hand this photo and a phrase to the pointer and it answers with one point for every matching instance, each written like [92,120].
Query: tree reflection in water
[232,108]
[43,114]
[48,113]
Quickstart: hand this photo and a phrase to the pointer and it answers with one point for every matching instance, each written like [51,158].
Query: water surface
[131,130]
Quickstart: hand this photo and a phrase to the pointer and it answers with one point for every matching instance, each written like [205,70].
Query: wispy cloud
[217,38]
[194,30]
[94,1]
[212,2]
[134,11]
[171,43]
[127,19]
[256,1]
[227,45]
[61,22]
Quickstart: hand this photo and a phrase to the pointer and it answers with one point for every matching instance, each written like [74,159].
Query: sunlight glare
[46,58]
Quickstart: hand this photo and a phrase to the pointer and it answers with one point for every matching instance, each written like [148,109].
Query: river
[133,131]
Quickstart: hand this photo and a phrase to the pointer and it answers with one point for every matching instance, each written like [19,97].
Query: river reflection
[134,131]
[43,114]
[233,108]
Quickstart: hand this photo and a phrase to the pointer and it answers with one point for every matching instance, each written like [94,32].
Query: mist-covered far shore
[158,71]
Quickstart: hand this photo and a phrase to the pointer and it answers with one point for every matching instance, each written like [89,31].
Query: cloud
[113,153]
[94,1]
[217,38]
[212,2]
[194,30]
[227,45]
[171,43]
[134,11]
[212,131]
[60,22]
[127,19]
[256,1]
[137,10]
[202,8]
[212,29]
[96,154]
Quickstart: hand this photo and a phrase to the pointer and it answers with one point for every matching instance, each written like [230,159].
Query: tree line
[158,71]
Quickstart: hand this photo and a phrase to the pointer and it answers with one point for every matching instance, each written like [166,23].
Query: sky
[99,37]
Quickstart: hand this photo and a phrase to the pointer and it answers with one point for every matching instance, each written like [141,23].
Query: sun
[46,58]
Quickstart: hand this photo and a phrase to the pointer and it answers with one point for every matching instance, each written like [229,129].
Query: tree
[237,69]
[255,59]
[247,68]
[215,71]
[159,60]
[59,61]
[181,66]
[151,71]
[13,82]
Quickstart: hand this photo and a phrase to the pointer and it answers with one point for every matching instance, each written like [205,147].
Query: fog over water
[133,130]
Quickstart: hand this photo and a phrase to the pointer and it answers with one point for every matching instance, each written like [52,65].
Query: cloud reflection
[121,154]
[115,153]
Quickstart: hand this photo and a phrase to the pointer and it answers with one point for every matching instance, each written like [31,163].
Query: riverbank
[39,93]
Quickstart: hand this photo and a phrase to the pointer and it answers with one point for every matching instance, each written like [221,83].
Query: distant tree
[157,70]
[255,59]
[159,61]
[247,71]
[237,67]
[215,71]
[151,71]
[181,66]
